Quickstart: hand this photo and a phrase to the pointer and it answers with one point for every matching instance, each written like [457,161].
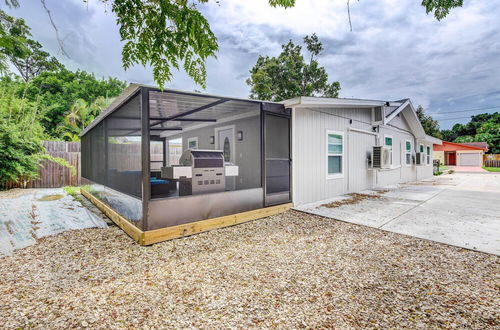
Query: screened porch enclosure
[165,158]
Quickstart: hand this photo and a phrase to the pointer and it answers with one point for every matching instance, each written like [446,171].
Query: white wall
[309,129]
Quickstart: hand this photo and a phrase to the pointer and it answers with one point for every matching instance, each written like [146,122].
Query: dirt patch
[354,198]
[48,198]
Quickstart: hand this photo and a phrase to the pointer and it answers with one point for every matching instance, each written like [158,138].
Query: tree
[79,116]
[21,151]
[57,91]
[288,75]
[25,54]
[169,34]
[431,126]
[484,127]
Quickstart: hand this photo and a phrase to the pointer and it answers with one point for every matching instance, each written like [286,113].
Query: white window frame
[408,152]
[391,147]
[341,174]
[428,160]
[191,139]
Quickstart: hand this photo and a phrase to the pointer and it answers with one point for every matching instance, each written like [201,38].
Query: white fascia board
[309,101]
[397,111]
[433,140]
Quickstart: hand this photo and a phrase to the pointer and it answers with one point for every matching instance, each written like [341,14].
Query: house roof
[189,99]
[483,145]
[403,107]
[451,146]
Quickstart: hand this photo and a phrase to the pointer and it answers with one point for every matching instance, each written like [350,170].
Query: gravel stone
[291,270]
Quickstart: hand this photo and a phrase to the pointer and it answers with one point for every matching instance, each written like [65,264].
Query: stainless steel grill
[200,171]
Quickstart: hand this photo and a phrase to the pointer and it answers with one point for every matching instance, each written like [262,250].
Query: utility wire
[467,110]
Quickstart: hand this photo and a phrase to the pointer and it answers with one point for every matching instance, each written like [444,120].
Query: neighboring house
[333,139]
[483,145]
[165,160]
[459,154]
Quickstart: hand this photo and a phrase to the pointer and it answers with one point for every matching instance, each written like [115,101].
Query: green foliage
[21,136]
[441,8]
[481,128]
[79,116]
[25,54]
[288,75]
[431,126]
[57,92]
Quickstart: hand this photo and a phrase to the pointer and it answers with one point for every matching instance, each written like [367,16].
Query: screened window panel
[124,148]
[388,141]
[408,146]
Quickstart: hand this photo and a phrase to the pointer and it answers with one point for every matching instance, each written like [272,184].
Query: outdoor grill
[200,171]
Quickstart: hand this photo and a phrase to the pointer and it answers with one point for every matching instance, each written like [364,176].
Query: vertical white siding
[309,131]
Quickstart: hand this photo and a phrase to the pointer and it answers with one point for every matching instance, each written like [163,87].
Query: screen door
[277,159]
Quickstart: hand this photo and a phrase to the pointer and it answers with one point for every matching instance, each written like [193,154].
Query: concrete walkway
[462,209]
[467,169]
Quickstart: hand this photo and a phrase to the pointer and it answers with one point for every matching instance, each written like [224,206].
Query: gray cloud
[395,49]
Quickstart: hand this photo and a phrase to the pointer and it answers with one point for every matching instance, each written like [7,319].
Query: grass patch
[73,192]
[492,169]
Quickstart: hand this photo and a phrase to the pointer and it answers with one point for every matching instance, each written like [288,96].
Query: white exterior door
[225,142]
[472,159]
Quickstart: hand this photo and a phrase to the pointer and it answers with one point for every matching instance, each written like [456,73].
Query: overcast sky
[395,50]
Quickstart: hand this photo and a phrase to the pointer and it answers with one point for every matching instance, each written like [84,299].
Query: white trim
[397,111]
[309,101]
[191,139]
[392,147]
[406,153]
[362,131]
[342,162]
[216,134]
[219,121]
[428,157]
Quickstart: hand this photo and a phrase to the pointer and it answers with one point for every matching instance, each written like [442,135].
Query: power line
[454,118]
[467,110]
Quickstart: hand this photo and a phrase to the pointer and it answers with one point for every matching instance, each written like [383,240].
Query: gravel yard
[290,270]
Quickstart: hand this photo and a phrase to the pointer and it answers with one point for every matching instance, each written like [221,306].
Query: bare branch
[59,40]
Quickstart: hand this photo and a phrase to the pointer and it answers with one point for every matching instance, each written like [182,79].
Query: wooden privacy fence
[53,175]
[492,163]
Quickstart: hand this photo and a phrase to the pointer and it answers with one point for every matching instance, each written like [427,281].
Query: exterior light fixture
[240,135]
[212,139]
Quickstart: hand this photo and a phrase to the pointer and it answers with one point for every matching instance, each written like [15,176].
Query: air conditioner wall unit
[420,158]
[381,157]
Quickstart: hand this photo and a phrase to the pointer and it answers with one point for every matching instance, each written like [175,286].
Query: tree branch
[59,40]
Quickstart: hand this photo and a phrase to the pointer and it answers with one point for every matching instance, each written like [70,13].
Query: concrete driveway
[461,209]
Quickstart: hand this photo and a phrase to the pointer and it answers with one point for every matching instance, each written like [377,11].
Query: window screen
[388,144]
[124,148]
[277,154]
[428,156]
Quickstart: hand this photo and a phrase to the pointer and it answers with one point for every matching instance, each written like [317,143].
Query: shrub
[21,139]
[451,171]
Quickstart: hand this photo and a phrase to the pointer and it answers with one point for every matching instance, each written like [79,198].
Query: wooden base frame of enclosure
[164,234]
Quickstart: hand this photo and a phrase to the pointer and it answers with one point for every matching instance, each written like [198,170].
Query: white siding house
[333,139]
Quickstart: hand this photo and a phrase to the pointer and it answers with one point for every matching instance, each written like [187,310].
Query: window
[408,152]
[421,148]
[428,155]
[335,154]
[388,144]
[192,143]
